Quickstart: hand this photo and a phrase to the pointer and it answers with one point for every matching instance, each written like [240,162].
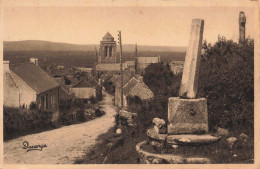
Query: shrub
[79,103]
[33,106]
[164,84]
[227,81]
[18,121]
[93,100]
[98,113]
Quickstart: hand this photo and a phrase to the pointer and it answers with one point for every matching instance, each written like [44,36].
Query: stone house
[64,89]
[132,87]
[143,62]
[27,83]
[177,66]
[86,88]
[109,84]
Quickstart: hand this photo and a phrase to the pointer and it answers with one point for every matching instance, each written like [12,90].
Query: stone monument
[187,114]
[242,26]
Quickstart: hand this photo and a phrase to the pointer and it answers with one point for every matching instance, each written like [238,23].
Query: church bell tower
[107,49]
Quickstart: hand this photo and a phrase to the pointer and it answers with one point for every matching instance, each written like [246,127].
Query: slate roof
[82,84]
[110,67]
[126,79]
[34,77]
[87,83]
[129,86]
[148,60]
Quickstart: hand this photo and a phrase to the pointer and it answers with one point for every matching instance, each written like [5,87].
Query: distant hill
[37,45]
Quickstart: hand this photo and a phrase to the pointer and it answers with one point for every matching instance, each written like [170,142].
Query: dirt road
[64,145]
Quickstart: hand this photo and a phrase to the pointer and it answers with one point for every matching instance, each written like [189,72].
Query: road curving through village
[63,145]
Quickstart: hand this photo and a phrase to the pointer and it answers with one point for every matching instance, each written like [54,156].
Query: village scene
[112,102]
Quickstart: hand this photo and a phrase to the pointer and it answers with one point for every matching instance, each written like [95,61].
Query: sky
[157,26]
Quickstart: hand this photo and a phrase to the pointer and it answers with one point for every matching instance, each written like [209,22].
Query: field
[80,58]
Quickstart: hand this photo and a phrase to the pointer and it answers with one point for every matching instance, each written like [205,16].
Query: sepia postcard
[157,84]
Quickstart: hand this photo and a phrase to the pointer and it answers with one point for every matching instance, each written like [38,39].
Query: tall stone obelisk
[190,76]
[242,26]
[186,113]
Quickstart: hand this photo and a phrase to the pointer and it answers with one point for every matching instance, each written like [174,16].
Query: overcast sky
[159,26]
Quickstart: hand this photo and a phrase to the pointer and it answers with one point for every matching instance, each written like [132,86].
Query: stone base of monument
[191,139]
[182,139]
[149,157]
[163,142]
[187,116]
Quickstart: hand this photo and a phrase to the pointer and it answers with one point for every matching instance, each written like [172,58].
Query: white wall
[83,93]
[11,92]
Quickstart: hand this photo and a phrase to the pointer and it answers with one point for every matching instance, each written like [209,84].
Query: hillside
[36,45]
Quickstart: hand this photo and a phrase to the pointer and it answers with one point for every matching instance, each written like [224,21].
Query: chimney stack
[34,61]
[6,65]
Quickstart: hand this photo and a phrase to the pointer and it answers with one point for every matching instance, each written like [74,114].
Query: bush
[33,106]
[78,103]
[19,121]
[98,113]
[164,84]
[227,81]
[93,100]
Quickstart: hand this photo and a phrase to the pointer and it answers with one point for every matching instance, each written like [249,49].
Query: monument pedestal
[187,116]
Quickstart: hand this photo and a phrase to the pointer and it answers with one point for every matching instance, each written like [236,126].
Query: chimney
[6,65]
[34,61]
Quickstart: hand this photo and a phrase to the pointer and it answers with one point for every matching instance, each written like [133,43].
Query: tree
[227,81]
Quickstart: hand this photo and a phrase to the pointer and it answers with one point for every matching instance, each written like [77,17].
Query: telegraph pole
[121,69]
[136,61]
[95,64]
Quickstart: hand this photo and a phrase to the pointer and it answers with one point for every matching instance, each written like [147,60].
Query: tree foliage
[227,82]
[164,84]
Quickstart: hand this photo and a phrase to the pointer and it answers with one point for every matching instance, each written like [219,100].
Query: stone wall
[83,93]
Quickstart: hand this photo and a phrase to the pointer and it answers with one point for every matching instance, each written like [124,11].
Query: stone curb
[152,158]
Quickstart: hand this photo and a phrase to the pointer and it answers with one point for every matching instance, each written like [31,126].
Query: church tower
[107,49]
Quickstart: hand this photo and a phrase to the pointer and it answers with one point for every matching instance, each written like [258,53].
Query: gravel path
[65,144]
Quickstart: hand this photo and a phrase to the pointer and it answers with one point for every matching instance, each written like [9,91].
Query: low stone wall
[153,158]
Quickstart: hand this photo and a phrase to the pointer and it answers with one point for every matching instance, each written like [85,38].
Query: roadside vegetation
[21,121]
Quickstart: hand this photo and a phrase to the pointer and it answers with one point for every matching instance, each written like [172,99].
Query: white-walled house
[26,83]
[85,89]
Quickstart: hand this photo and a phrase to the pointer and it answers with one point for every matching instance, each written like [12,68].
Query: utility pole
[95,64]
[136,61]
[96,59]
[121,69]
